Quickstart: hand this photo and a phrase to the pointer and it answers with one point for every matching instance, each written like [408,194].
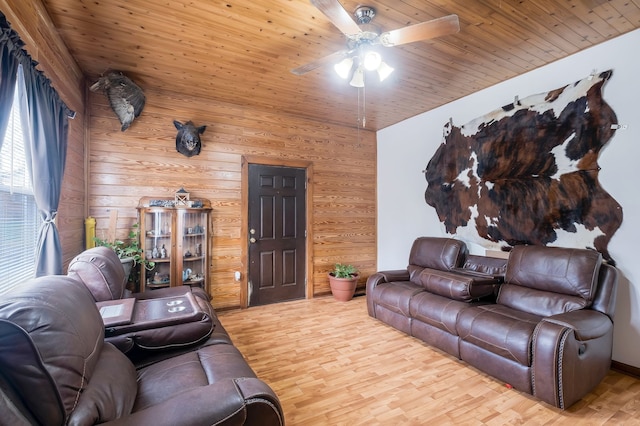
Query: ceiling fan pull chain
[364,106]
[359,137]
[358,117]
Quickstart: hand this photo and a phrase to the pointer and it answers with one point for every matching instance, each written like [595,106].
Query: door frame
[244,227]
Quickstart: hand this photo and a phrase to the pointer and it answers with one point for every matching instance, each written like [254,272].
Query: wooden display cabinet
[176,238]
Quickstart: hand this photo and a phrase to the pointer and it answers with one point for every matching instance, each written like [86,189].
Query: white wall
[404,150]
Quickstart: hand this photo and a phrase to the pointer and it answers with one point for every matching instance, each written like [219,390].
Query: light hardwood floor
[332,364]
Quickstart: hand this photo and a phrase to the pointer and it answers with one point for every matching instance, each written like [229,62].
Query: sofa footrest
[498,329]
[434,321]
[390,303]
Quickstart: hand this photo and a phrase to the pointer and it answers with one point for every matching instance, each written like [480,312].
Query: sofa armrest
[585,323]
[383,277]
[571,355]
[226,401]
[389,276]
[386,277]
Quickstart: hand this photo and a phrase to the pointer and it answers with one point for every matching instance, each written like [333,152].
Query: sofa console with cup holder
[165,318]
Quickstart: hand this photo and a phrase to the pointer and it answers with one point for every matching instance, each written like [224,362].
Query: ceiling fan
[363,38]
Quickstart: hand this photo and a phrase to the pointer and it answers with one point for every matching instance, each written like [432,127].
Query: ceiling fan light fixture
[358,78]
[372,60]
[384,70]
[344,67]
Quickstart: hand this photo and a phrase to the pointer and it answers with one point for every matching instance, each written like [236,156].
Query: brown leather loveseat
[57,369]
[541,321]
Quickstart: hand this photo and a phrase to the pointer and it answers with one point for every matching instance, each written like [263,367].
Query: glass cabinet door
[176,239]
[158,225]
[192,246]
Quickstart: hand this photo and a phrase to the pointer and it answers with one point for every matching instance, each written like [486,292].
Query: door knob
[252,240]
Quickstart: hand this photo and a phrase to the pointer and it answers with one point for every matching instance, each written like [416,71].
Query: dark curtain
[9,43]
[45,127]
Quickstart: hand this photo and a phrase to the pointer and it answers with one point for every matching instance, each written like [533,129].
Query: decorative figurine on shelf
[182,197]
[199,249]
[163,252]
[155,254]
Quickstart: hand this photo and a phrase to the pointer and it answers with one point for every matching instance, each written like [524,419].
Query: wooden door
[277,228]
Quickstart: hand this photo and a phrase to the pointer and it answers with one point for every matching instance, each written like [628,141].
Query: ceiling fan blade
[338,16]
[423,31]
[333,59]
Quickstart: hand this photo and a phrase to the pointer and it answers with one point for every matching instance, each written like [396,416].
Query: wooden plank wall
[142,161]
[30,20]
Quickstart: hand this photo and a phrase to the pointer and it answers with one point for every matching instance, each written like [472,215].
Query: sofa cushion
[567,271]
[65,337]
[164,380]
[437,253]
[111,392]
[550,280]
[500,330]
[538,302]
[457,286]
[414,273]
[101,271]
[22,371]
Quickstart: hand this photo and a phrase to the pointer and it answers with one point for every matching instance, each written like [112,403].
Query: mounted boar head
[188,138]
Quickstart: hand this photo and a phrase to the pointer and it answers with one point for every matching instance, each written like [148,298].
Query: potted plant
[130,254]
[343,280]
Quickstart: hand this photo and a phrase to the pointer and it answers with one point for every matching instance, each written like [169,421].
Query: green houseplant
[343,280]
[130,254]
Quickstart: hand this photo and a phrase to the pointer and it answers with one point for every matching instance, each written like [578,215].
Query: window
[19,218]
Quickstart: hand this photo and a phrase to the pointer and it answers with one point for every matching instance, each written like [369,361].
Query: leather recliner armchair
[56,369]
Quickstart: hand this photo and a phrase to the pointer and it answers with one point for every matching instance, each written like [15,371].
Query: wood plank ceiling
[241,51]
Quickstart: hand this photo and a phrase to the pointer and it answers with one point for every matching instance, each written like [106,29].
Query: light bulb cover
[371,60]
[358,78]
[343,67]
[384,70]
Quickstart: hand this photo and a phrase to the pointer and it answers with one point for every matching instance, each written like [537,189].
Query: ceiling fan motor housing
[364,14]
[370,32]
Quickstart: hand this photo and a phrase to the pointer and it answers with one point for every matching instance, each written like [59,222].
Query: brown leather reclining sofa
[57,369]
[541,321]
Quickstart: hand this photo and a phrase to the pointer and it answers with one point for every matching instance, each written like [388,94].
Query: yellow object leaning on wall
[90,232]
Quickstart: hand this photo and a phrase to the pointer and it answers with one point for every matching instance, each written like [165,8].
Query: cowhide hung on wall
[188,141]
[125,97]
[527,173]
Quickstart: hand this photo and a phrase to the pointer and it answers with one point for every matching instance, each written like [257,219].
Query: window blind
[19,218]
